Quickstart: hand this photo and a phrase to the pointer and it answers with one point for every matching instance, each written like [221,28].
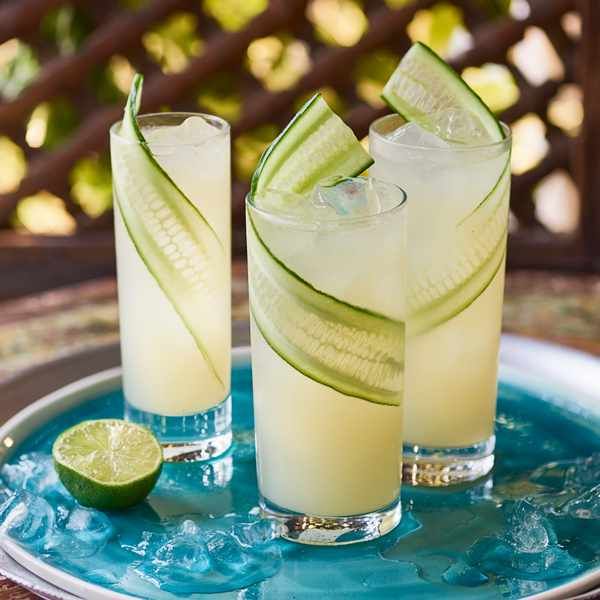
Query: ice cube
[79,532]
[528,548]
[461,573]
[256,533]
[346,195]
[34,472]
[412,134]
[584,506]
[584,472]
[194,130]
[28,519]
[528,530]
[461,126]
[213,557]
[354,197]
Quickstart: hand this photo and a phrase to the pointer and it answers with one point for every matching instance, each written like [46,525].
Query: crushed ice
[224,553]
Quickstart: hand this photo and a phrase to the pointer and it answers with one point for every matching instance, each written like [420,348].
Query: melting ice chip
[449,127]
[528,530]
[356,196]
[194,130]
[413,134]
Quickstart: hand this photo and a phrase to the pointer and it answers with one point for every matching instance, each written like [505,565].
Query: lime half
[108,463]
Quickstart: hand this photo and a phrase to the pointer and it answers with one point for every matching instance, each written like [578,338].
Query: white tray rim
[529,362]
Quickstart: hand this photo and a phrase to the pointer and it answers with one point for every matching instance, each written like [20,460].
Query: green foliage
[233,15]
[248,147]
[436,26]
[67,26]
[495,8]
[91,184]
[18,67]
[103,85]
[221,96]
[63,118]
[172,43]
[371,74]
[398,3]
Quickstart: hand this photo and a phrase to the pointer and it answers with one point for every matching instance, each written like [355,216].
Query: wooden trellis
[30,262]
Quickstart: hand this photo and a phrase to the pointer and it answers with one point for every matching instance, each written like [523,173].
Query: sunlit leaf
[91,185]
[278,62]
[529,143]
[337,22]
[13,165]
[398,3]
[67,26]
[111,83]
[233,15]
[494,83]
[44,214]
[221,96]
[18,67]
[536,57]
[441,27]
[248,147]
[62,119]
[371,73]
[557,205]
[565,110]
[174,42]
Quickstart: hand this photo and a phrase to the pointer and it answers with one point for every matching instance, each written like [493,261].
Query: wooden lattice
[28,262]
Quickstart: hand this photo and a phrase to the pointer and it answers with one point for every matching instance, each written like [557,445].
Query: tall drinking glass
[456,239]
[172,227]
[327,359]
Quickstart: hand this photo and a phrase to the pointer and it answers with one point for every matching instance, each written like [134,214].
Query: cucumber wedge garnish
[170,234]
[479,254]
[423,88]
[315,144]
[350,349]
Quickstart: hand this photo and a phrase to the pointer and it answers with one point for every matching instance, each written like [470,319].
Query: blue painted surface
[478,542]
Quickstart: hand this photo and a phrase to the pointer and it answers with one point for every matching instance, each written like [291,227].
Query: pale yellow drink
[165,372]
[452,243]
[321,452]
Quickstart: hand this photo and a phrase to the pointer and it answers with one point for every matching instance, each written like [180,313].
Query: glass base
[440,467]
[189,438]
[332,531]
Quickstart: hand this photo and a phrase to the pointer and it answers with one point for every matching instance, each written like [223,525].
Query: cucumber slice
[350,349]
[315,144]
[424,87]
[479,254]
[171,236]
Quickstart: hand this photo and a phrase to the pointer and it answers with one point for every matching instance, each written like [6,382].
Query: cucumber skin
[133,132]
[387,397]
[388,98]
[271,149]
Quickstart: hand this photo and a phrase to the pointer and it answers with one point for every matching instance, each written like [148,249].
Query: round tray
[452,543]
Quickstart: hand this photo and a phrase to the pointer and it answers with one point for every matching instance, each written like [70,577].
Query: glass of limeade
[171,178]
[456,248]
[325,273]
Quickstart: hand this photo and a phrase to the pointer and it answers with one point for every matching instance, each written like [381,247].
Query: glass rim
[224,127]
[299,222]
[381,138]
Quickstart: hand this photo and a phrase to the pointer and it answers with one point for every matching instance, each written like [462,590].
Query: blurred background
[66,66]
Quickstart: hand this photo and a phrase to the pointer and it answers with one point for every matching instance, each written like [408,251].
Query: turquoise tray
[532,528]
